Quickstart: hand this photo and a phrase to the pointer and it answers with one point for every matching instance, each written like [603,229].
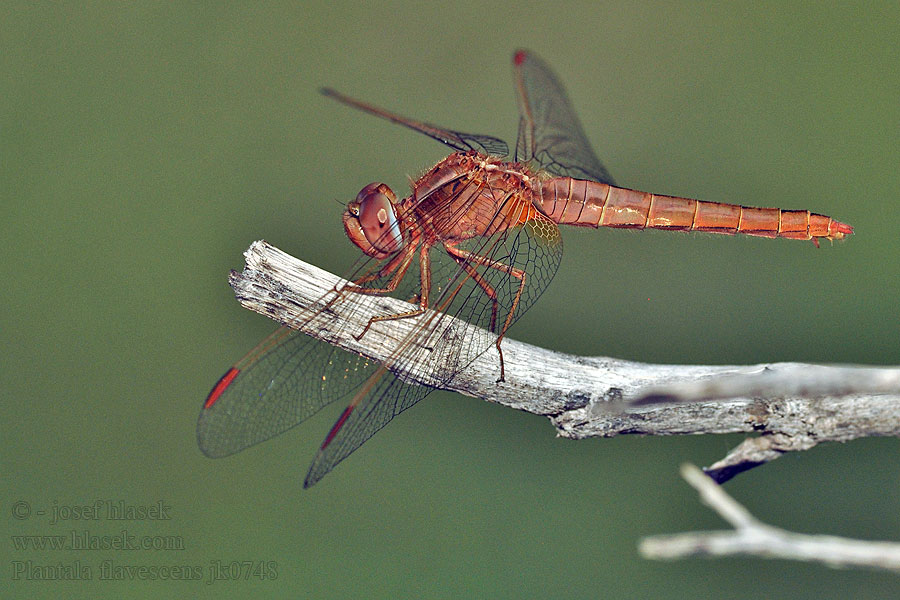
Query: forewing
[288,379]
[550,135]
[285,379]
[457,140]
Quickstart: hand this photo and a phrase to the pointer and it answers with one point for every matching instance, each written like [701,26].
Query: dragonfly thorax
[371,221]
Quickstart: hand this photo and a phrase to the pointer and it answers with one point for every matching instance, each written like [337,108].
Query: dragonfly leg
[400,263]
[425,282]
[465,258]
[459,256]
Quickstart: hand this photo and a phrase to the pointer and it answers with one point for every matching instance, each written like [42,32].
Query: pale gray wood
[751,537]
[793,406]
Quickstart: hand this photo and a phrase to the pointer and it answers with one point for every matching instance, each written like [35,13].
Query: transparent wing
[290,376]
[550,135]
[455,139]
[285,380]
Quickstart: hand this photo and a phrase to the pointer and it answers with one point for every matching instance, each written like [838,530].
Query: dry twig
[752,537]
[791,406]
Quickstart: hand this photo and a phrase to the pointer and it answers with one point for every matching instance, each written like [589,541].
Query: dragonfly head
[371,221]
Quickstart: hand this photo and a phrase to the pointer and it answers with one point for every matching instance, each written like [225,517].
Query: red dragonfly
[482,233]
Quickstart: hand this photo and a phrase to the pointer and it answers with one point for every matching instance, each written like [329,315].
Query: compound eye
[378,217]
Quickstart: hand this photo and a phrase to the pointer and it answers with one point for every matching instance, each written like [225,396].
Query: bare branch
[793,406]
[753,538]
[788,380]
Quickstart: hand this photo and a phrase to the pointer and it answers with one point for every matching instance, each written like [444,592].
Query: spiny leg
[458,255]
[425,286]
[400,263]
[471,257]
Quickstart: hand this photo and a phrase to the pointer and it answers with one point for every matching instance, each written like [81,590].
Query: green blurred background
[144,146]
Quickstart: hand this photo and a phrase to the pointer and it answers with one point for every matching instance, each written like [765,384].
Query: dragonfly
[477,239]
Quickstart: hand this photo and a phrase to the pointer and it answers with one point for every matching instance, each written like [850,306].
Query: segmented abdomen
[588,203]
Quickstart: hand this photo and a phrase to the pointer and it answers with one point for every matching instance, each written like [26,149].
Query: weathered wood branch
[751,537]
[791,406]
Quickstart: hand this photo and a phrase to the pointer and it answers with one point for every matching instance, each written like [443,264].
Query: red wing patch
[337,426]
[221,386]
